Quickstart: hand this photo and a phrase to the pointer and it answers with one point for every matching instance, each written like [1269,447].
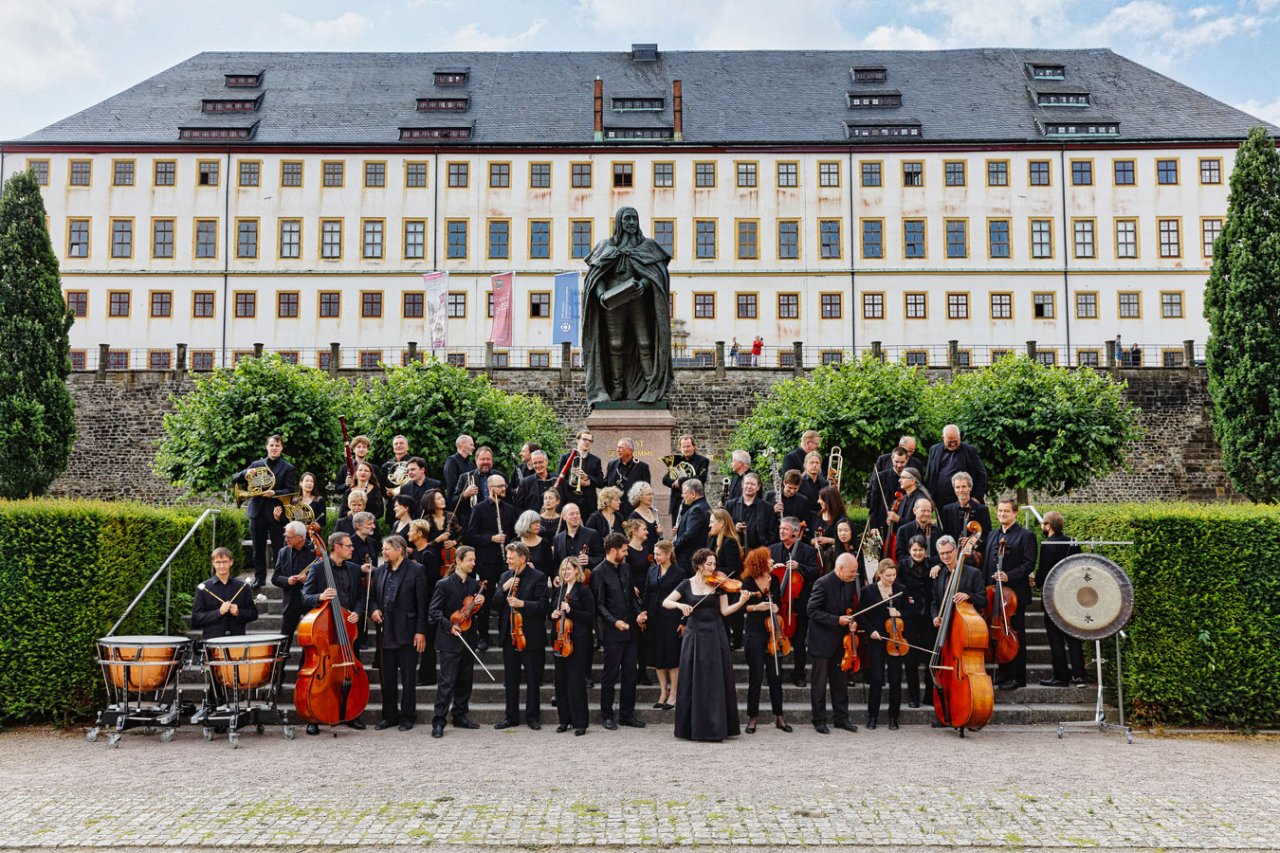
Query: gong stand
[1100,714]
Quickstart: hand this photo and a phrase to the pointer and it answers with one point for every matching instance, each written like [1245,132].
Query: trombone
[835,465]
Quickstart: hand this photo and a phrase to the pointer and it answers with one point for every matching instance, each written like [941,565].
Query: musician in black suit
[415,487]
[347,578]
[740,463]
[222,605]
[701,466]
[453,645]
[810,441]
[458,464]
[625,471]
[880,491]
[473,486]
[290,573]
[921,525]
[948,458]
[343,476]
[574,598]
[908,444]
[522,589]
[265,513]
[1013,565]
[1063,648]
[535,485]
[620,622]
[569,543]
[581,488]
[523,468]
[971,587]
[753,516]
[399,602]
[793,504]
[955,516]
[802,559]
[877,660]
[835,596]
[363,527]
[491,526]
[813,480]
[909,485]
[695,523]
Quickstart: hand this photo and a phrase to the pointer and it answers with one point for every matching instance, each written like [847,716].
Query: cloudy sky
[60,56]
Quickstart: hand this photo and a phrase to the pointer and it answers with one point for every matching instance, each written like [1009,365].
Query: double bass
[332,685]
[962,692]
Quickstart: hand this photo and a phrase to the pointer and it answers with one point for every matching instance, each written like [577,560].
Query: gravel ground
[916,789]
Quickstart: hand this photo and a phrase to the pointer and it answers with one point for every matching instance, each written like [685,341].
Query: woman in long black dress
[707,707]
[639,560]
[722,538]
[886,585]
[663,627]
[762,665]
[571,597]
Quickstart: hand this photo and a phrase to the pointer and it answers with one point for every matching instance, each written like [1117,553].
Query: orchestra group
[572,559]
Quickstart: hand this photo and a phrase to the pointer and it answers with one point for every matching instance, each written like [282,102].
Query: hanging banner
[437,300]
[567,310]
[500,331]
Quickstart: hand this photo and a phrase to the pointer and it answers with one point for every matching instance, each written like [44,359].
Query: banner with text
[437,304]
[567,310]
[500,332]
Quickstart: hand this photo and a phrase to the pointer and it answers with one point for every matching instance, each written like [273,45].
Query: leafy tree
[1242,305]
[1044,428]
[222,426]
[37,414]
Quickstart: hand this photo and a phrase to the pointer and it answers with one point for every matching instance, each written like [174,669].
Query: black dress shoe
[313,729]
[562,728]
[610,724]
[437,729]
[633,723]
[1007,685]
[357,724]
[536,726]
[847,726]
[786,727]
[482,646]
[821,728]
[871,723]
[504,724]
[893,723]
[913,704]
[667,706]
[383,725]
[657,706]
[1053,682]
[579,732]
[404,727]
[751,728]
[465,723]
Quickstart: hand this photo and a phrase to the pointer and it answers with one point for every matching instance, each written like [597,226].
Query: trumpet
[575,473]
[678,471]
[257,480]
[835,465]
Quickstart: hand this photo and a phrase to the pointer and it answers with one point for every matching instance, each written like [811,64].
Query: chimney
[599,108]
[677,108]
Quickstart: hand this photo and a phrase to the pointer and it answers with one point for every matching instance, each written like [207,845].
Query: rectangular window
[832,305]
[1166,171]
[415,239]
[540,176]
[624,177]
[957,306]
[664,234]
[206,238]
[371,304]
[997,173]
[704,306]
[499,239]
[747,177]
[456,305]
[202,302]
[913,238]
[287,305]
[540,304]
[161,303]
[829,243]
[747,306]
[917,358]
[330,238]
[122,173]
[664,175]
[1171,305]
[78,359]
[246,305]
[829,174]
[488,304]
[705,238]
[499,176]
[1087,306]
[247,238]
[953,173]
[39,168]
[81,173]
[1002,306]
[456,239]
[78,303]
[1130,304]
[122,238]
[998,238]
[207,173]
[1038,174]
[788,239]
[873,306]
[1125,173]
[540,239]
[1082,230]
[459,174]
[957,238]
[159,360]
[704,174]
[1210,170]
[788,306]
[415,175]
[165,173]
[580,238]
[118,359]
[333,173]
[872,174]
[291,173]
[414,305]
[540,359]
[913,173]
[580,175]
[1126,238]
[375,174]
[290,238]
[250,173]
[873,238]
[1088,358]
[1209,231]
[1042,238]
[1082,173]
[77,238]
[372,234]
[788,174]
[1042,305]
[916,305]
[330,303]
[748,247]
[1170,238]
[118,303]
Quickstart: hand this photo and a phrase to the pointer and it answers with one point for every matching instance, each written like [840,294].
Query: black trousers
[920,632]
[799,657]
[619,661]
[262,529]
[491,573]
[828,670]
[1016,669]
[453,685]
[399,682]
[760,667]
[878,661]
[1064,648]
[427,661]
[571,688]
[523,667]
[735,624]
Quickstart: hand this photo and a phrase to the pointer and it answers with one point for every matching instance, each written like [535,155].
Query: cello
[962,691]
[791,584]
[1002,603]
[332,685]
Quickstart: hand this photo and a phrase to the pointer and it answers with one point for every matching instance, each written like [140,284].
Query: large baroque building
[835,198]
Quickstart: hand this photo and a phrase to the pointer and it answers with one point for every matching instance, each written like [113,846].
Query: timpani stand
[141,674]
[242,676]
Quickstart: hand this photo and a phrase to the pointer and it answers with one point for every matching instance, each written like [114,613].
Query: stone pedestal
[652,431]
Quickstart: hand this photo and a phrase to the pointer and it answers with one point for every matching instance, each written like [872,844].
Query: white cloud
[730,24]
[1163,35]
[470,37]
[1267,112]
[45,44]
[899,38]
[348,26]
[1014,23]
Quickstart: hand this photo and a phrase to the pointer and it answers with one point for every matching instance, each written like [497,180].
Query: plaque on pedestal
[651,429]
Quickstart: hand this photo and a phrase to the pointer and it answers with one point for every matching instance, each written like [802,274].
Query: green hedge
[1204,641]
[69,570]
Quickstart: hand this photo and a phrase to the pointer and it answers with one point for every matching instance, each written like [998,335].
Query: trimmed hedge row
[69,570]
[1204,641]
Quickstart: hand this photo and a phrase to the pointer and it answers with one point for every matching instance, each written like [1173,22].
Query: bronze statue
[626,318]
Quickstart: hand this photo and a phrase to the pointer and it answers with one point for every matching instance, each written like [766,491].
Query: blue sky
[60,56]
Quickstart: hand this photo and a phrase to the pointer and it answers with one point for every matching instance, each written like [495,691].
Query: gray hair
[742,456]
[694,485]
[362,518]
[631,445]
[636,491]
[541,453]
[944,540]
[525,522]
[961,477]
[296,528]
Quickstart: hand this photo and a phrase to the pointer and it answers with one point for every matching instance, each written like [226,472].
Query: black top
[346,575]
[454,467]
[446,599]
[953,517]
[754,622]
[806,556]
[879,498]
[944,463]
[701,467]
[626,476]
[600,525]
[403,602]
[914,577]
[794,460]
[530,492]
[729,556]
[760,519]
[970,583]
[1053,550]
[873,620]
[1019,561]
[565,546]
[533,592]
[582,612]
[691,533]
[286,481]
[831,599]
[366,550]
[615,600]
[483,526]
[910,529]
[809,487]
[593,472]
[291,561]
[205,607]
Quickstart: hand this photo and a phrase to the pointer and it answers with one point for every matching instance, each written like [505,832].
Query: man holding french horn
[264,480]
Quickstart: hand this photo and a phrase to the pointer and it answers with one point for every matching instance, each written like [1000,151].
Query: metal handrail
[1030,510]
[165,568]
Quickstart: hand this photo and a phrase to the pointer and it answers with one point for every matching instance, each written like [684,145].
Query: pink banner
[501,332]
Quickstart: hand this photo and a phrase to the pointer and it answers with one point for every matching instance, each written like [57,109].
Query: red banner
[500,334]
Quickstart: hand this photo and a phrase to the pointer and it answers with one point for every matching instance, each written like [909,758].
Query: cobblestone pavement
[915,789]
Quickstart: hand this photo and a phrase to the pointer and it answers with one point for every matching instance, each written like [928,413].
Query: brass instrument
[296,509]
[835,465]
[399,475]
[257,480]
[471,481]
[575,473]
[682,471]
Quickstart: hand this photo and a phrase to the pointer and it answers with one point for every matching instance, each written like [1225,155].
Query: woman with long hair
[761,665]
[722,538]
[307,494]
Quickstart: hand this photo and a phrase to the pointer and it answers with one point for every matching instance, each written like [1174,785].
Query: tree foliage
[1242,305]
[37,414]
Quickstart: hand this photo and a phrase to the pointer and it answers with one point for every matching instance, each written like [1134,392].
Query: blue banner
[567,309]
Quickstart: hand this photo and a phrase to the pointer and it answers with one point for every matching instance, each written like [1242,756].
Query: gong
[1088,597]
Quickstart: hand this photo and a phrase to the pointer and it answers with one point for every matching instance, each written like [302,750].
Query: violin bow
[777,629]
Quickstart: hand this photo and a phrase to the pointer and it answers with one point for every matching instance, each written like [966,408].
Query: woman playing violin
[759,641]
[571,602]
[885,585]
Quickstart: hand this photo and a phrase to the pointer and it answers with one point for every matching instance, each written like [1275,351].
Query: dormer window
[430,105]
[230,105]
[1045,71]
[638,104]
[218,134]
[873,100]
[451,77]
[244,81]
[638,133]
[869,74]
[1082,128]
[412,133]
[910,130]
[1062,99]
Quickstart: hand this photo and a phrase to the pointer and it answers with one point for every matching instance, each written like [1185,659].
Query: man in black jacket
[620,621]
[399,602]
[921,525]
[473,486]
[741,465]
[491,526]
[456,665]
[908,444]
[417,485]
[835,597]
[971,587]
[753,517]
[701,467]
[810,441]
[881,488]
[624,472]
[955,516]
[695,523]
[948,458]
[290,574]
[522,589]
[264,512]
[536,484]
[802,560]
[222,605]
[458,464]
[1011,559]
[573,537]
[581,488]
[792,503]
[346,593]
[1063,648]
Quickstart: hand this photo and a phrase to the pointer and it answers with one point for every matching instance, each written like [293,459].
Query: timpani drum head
[1089,597]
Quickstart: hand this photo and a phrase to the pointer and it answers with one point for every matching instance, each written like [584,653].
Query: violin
[896,645]
[461,618]
[850,662]
[332,685]
[778,643]
[962,690]
[562,647]
[448,555]
[586,572]
[722,581]
[1002,603]
[518,641]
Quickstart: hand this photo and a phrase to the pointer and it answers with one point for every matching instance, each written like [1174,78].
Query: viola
[1002,603]
[332,685]
[962,694]
[518,641]
[850,662]
[448,555]
[778,643]
[461,618]
[586,572]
